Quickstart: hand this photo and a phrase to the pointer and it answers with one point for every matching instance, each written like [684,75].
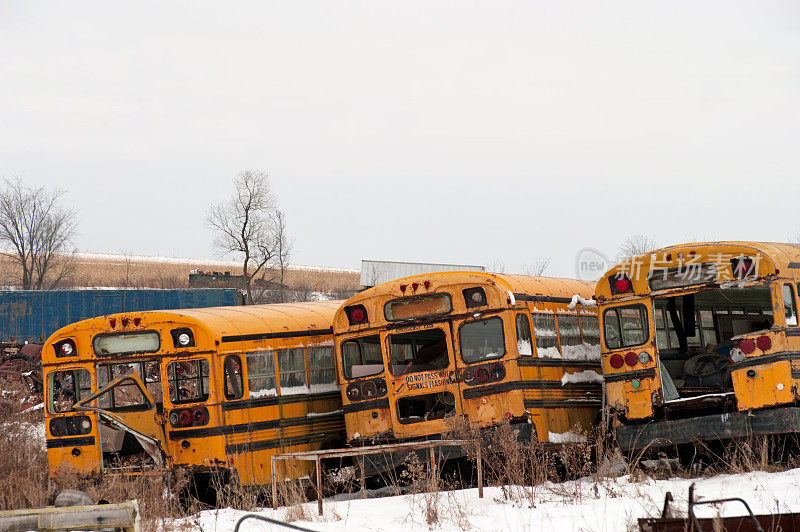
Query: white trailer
[375,272]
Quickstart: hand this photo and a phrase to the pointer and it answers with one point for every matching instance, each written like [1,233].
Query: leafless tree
[250,226]
[37,232]
[636,245]
[496,266]
[374,274]
[537,268]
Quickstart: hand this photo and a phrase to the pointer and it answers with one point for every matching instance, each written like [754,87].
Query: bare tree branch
[636,245]
[538,267]
[38,232]
[250,226]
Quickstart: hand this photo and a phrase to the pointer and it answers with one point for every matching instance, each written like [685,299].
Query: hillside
[128,271]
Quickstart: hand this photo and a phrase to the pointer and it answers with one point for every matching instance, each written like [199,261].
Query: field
[130,271]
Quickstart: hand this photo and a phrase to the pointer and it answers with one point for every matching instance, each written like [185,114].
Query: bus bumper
[784,420]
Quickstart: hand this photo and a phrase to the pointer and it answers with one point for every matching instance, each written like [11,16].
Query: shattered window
[68,387]
[418,351]
[524,343]
[188,381]
[127,394]
[232,367]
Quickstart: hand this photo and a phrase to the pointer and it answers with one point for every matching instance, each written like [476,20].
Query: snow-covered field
[586,505]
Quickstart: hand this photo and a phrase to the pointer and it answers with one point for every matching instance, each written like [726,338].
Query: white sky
[459,132]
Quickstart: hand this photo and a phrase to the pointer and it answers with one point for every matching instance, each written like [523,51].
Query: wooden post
[433,468]
[363,480]
[122,515]
[480,471]
[319,485]
[274,486]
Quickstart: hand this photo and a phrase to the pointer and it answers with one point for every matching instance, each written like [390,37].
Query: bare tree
[373,274]
[636,245]
[537,268]
[250,226]
[37,232]
[496,266]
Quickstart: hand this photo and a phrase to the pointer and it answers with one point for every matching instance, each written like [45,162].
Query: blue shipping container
[33,315]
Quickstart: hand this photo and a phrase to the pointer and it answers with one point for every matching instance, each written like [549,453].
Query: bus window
[569,334]
[320,366]
[418,351]
[789,305]
[188,381]
[128,394]
[62,388]
[292,370]
[232,368]
[425,407]
[261,374]
[474,297]
[590,331]
[524,343]
[362,357]
[625,326]
[482,340]
[544,327]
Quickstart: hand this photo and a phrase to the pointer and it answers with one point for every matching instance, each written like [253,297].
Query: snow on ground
[583,505]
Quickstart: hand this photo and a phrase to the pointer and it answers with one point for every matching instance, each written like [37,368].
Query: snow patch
[565,437]
[267,392]
[578,300]
[581,376]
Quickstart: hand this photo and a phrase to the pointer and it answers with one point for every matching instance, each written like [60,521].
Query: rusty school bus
[701,342]
[210,390]
[414,352]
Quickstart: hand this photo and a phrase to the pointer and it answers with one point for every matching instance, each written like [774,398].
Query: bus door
[423,384]
[485,371]
[125,405]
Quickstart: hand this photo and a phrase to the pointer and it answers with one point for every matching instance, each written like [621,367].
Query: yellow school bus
[414,352]
[210,390]
[701,343]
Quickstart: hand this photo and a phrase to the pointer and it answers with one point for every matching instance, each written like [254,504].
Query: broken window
[321,370]
[232,368]
[418,351]
[188,381]
[67,387]
[524,342]
[789,306]
[127,395]
[590,331]
[544,328]
[474,297]
[625,326]
[261,374]
[482,340]
[362,357]
[292,370]
[425,407]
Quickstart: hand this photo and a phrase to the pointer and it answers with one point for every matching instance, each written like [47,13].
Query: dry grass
[130,272]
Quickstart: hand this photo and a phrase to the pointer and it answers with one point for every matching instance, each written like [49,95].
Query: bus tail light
[65,348]
[369,390]
[616,361]
[356,314]
[199,416]
[354,392]
[764,342]
[181,418]
[58,427]
[631,358]
[644,357]
[747,346]
[620,284]
[498,372]
[481,376]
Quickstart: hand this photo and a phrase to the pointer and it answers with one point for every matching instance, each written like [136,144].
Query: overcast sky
[459,132]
